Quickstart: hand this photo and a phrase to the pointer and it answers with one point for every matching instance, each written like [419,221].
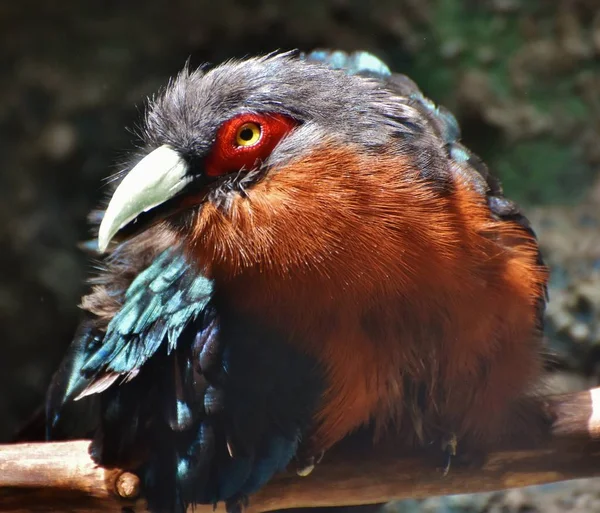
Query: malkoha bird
[301,248]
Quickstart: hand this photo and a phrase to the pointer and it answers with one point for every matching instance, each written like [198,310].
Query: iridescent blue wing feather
[357,63]
[158,305]
[204,414]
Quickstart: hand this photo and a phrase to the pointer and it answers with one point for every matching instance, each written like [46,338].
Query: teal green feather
[159,304]
[363,63]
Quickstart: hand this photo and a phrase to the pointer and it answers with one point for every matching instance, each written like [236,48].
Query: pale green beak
[158,177]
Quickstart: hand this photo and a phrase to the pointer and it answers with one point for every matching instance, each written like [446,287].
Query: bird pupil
[246,134]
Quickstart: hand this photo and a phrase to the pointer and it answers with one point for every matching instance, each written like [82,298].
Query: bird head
[276,163]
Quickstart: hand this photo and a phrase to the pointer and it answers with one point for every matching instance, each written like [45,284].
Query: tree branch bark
[62,476]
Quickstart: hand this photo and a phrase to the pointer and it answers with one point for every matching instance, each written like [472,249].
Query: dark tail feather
[155,425]
[65,417]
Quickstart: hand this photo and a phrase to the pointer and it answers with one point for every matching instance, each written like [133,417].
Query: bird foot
[449,446]
[308,465]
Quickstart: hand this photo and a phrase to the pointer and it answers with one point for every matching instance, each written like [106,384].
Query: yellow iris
[248,134]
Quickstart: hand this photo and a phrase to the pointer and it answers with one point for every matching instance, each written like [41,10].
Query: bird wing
[142,372]
[201,416]
[158,304]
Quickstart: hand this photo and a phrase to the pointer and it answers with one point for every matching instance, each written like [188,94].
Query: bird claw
[309,465]
[449,446]
[306,470]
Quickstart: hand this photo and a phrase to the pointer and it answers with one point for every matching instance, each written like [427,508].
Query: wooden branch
[62,477]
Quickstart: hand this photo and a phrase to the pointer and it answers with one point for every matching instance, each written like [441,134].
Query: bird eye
[245,141]
[248,134]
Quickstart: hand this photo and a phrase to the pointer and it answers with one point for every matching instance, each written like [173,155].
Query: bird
[300,248]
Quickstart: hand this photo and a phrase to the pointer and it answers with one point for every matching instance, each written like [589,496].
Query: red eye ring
[234,151]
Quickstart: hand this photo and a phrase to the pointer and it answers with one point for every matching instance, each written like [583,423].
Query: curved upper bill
[156,178]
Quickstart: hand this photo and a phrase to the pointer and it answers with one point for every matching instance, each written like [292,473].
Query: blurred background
[522,76]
